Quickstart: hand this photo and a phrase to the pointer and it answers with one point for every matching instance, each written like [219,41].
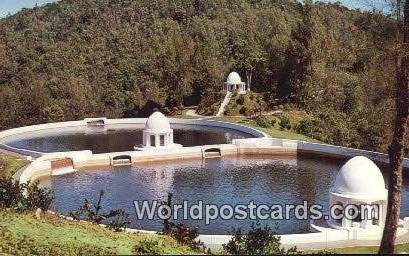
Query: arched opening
[212,153]
[98,122]
[162,140]
[121,160]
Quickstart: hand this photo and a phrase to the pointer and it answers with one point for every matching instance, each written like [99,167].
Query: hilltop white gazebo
[359,182]
[234,82]
[157,133]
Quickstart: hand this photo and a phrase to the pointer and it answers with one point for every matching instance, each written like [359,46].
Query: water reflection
[117,138]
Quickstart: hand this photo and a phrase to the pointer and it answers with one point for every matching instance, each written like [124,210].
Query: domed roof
[233,78]
[157,121]
[360,178]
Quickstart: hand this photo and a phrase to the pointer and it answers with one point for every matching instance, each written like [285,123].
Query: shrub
[11,193]
[185,235]
[240,100]
[147,246]
[285,122]
[258,241]
[37,197]
[307,127]
[182,233]
[23,197]
[92,212]
[265,122]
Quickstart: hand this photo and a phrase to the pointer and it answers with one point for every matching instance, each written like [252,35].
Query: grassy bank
[10,165]
[23,233]
[274,132]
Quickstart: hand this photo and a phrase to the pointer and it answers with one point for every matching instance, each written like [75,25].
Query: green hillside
[80,58]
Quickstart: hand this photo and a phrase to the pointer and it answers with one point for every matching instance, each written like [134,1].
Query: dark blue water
[117,138]
[264,180]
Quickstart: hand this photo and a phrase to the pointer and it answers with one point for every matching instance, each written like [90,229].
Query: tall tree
[397,149]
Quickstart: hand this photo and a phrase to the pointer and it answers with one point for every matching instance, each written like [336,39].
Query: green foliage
[23,197]
[258,241]
[92,212]
[147,247]
[285,122]
[74,59]
[210,103]
[248,104]
[307,127]
[265,122]
[182,233]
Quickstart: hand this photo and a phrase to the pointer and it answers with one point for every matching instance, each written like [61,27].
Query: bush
[285,122]
[23,197]
[240,100]
[258,241]
[265,122]
[147,246]
[307,127]
[11,193]
[37,197]
[182,233]
[185,235]
[115,219]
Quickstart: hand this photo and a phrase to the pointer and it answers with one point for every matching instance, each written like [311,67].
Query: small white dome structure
[157,122]
[359,182]
[234,78]
[234,82]
[360,178]
[157,133]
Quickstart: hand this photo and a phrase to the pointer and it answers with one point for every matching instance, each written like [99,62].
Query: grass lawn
[23,233]
[274,132]
[10,165]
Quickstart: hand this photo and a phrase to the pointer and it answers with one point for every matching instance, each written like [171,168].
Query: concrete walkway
[402,239]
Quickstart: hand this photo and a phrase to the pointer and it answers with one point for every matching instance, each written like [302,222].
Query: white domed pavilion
[359,182]
[234,82]
[157,133]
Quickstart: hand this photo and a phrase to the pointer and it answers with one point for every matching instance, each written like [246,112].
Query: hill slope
[78,58]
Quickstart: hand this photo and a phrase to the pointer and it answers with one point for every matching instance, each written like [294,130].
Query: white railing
[226,101]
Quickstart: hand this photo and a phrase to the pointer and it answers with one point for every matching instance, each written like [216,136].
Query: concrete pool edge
[124,121]
[42,166]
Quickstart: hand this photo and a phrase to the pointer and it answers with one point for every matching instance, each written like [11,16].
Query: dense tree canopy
[121,58]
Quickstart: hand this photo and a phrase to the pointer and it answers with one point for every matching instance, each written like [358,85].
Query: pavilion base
[172,146]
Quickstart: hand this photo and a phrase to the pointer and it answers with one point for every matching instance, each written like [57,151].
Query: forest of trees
[83,58]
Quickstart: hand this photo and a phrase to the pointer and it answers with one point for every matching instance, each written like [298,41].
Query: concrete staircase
[225,102]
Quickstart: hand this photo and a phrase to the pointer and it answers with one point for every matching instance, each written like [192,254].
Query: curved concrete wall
[125,121]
